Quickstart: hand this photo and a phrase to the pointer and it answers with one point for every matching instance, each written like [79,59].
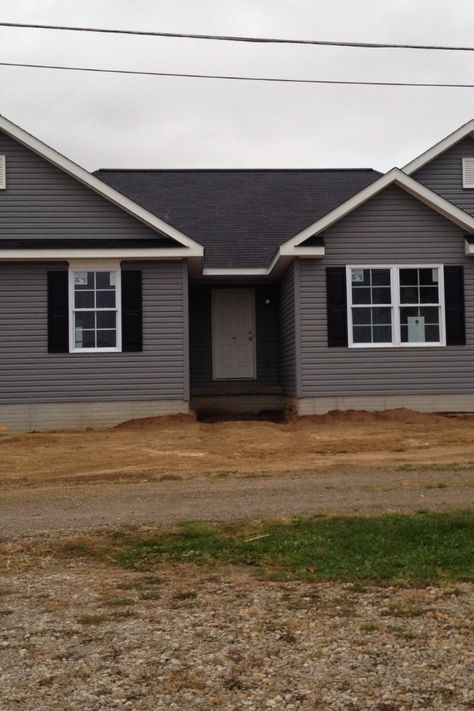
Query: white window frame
[106,266]
[468,184]
[395,306]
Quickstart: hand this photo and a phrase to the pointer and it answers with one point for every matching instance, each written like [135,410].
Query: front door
[233,334]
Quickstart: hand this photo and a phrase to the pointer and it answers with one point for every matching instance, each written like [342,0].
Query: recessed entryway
[233,334]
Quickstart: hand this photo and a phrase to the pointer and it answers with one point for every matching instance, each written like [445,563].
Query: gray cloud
[114,121]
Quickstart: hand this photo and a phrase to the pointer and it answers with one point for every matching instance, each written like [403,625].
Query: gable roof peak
[98,186]
[395,177]
[463,131]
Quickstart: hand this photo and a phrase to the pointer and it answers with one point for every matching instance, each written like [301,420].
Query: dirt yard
[181,447]
[175,469]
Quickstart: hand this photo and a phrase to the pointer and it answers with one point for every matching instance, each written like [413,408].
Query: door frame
[254,329]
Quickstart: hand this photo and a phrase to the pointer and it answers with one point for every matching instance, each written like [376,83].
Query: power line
[225,77]
[234,77]
[233,38]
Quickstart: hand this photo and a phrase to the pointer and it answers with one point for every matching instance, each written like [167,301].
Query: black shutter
[58,313]
[454,306]
[132,338]
[336,306]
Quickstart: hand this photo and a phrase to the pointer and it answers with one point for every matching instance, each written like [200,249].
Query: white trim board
[466,130]
[87,253]
[101,188]
[235,272]
[393,177]
[278,264]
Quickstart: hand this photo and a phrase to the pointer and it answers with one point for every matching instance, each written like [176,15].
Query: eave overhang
[50,253]
[278,264]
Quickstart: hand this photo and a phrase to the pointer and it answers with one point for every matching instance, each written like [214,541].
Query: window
[468,172]
[94,298]
[395,306]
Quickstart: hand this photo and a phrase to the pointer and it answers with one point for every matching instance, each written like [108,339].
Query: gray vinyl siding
[392,228]
[43,201]
[30,374]
[288,325]
[444,175]
[200,337]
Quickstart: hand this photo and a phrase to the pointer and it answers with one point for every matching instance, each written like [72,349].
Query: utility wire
[232,38]
[234,77]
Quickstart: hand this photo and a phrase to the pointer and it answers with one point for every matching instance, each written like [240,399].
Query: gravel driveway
[97,639]
[25,510]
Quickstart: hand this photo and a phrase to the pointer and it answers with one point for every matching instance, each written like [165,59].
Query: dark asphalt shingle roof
[239,216]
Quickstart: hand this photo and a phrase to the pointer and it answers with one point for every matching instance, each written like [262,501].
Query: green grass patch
[423,547]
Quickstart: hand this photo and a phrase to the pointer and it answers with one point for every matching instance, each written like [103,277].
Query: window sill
[396,345]
[74,351]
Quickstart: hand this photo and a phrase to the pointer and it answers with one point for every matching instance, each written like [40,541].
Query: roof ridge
[234,170]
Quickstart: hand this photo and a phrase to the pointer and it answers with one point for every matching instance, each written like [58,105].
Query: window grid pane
[420,308]
[95,310]
[372,324]
[371,286]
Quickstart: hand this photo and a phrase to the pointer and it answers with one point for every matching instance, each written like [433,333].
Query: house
[129,293]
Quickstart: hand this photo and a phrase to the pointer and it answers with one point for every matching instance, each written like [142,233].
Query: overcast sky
[137,122]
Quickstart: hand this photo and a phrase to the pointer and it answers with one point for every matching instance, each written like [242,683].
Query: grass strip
[423,547]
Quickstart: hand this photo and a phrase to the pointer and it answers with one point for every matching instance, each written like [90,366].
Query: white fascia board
[66,254]
[440,147]
[436,202]
[299,252]
[235,272]
[324,222]
[302,251]
[98,186]
[285,255]
[279,265]
[393,177]
[274,261]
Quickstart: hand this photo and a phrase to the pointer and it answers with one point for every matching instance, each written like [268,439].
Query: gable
[443,174]
[302,242]
[43,201]
[393,227]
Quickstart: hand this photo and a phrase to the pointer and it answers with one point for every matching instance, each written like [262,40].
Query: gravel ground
[25,510]
[80,636]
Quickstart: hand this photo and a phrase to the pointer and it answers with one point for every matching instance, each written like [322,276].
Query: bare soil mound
[142,423]
[400,415]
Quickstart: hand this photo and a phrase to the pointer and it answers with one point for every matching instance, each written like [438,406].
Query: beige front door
[233,334]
